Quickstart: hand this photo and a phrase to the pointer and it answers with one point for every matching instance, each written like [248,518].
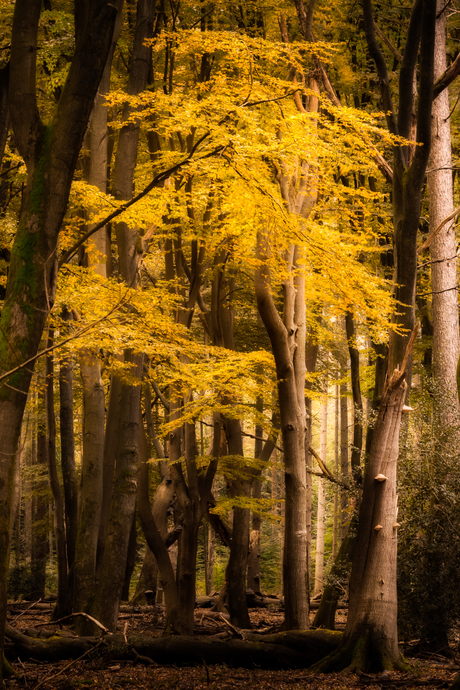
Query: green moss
[23,282]
[38,191]
[8,670]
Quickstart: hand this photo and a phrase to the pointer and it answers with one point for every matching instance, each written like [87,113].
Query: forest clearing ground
[106,675]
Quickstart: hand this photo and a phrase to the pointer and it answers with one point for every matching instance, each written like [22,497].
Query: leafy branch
[75,335]
[155,182]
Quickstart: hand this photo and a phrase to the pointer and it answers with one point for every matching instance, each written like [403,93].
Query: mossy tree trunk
[50,152]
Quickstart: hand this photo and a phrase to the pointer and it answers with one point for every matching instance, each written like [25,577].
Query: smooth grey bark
[445,319]
[293,428]
[443,249]
[321,510]
[288,341]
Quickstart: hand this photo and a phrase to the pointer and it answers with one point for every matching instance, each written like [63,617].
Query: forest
[229,334]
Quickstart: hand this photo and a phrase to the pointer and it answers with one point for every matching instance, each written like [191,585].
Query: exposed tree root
[361,653]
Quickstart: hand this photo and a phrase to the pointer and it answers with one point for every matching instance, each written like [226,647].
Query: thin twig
[63,342]
[25,610]
[71,663]
[431,237]
[232,627]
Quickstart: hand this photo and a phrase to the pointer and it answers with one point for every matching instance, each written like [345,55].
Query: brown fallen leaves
[109,675]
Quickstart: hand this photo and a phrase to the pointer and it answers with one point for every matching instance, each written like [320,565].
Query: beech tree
[370,639]
[224,143]
[50,151]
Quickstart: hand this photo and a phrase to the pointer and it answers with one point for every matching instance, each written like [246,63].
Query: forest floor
[427,672]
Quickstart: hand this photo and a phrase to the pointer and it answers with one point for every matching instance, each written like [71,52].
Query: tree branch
[156,182]
[447,78]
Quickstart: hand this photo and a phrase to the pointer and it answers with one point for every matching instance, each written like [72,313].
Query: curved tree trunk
[156,543]
[293,427]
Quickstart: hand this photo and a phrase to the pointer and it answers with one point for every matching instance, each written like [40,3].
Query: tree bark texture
[370,640]
[91,483]
[321,511]
[443,250]
[50,153]
[69,472]
[293,426]
[112,571]
[63,607]
[285,650]
[357,399]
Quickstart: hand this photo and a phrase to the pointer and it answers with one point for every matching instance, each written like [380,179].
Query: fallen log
[280,651]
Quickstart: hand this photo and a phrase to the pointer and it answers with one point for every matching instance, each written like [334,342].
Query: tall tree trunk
[254,536]
[370,639]
[156,543]
[62,607]
[237,564]
[50,153]
[357,399]
[293,427]
[321,512]
[39,506]
[91,485]
[113,568]
[344,513]
[443,250]
[445,319]
[69,472]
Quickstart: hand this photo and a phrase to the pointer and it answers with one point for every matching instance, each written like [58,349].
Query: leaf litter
[139,673]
